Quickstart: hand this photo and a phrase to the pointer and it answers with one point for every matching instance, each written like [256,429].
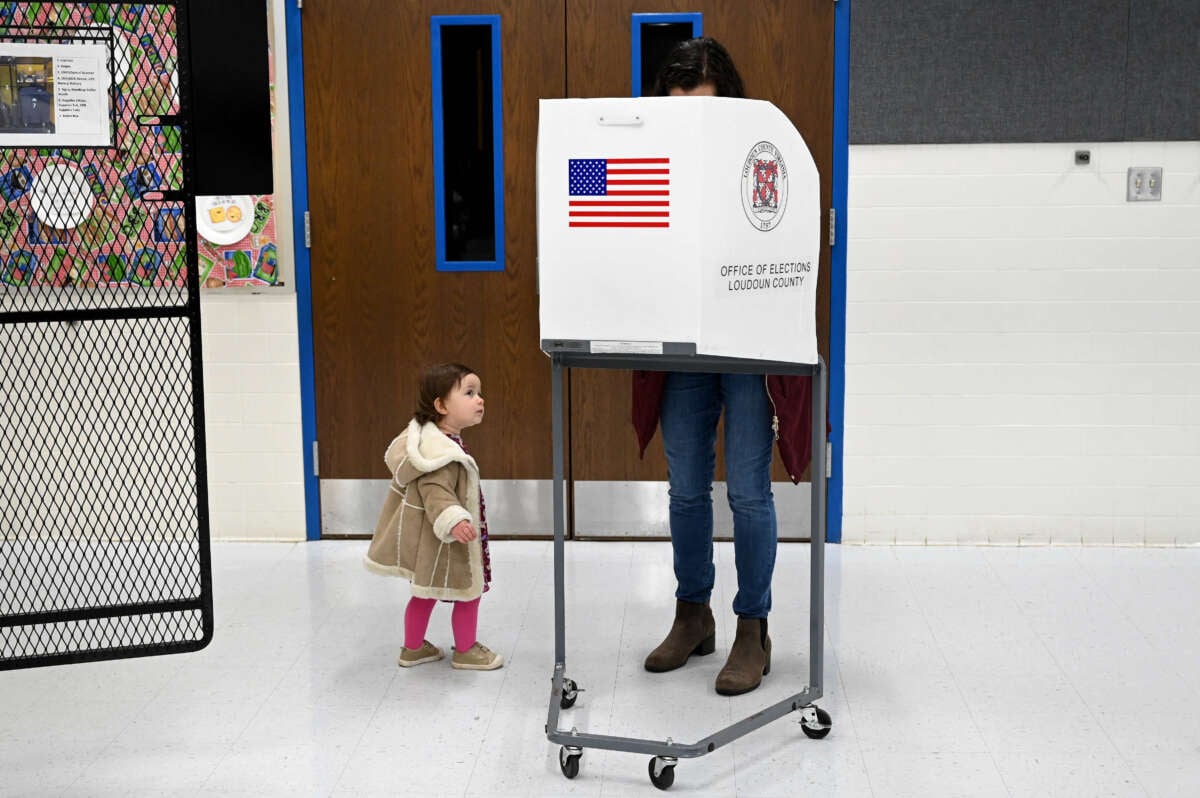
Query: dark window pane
[468,149]
[657,40]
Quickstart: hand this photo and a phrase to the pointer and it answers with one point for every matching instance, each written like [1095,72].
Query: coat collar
[426,448]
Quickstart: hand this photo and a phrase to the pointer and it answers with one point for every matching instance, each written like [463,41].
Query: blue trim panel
[436,23]
[638,20]
[837,285]
[303,265]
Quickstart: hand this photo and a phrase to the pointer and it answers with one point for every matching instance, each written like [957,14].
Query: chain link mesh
[103,521]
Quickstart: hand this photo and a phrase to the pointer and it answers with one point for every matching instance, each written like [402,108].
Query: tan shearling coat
[435,484]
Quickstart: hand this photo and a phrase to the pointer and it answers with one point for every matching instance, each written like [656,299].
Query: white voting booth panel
[689,222]
[677,234]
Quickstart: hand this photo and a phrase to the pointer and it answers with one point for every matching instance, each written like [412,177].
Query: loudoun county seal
[764,186]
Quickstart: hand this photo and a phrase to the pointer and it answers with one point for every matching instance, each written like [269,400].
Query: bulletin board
[103,242]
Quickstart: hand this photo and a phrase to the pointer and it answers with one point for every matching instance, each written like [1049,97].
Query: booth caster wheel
[568,760]
[570,692]
[662,771]
[815,722]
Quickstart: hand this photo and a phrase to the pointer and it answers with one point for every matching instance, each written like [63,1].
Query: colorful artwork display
[75,217]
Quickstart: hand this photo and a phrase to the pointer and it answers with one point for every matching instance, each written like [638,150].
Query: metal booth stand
[665,754]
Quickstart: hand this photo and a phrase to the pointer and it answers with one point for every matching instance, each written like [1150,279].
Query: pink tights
[464,620]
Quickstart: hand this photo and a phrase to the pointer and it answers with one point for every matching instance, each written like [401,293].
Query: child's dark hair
[436,383]
[695,62]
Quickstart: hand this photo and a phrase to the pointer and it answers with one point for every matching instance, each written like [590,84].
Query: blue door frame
[837,262]
[837,286]
[308,391]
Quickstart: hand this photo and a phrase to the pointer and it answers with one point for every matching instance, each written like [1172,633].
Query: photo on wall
[27,104]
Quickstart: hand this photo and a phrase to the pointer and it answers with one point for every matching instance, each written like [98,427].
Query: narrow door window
[653,37]
[468,145]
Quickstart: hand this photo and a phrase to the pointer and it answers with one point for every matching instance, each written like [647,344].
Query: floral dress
[483,530]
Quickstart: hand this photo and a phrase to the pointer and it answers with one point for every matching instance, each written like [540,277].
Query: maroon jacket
[793,405]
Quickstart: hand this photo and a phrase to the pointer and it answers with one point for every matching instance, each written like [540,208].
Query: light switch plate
[1144,184]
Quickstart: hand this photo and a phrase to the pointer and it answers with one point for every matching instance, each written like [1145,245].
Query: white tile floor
[949,672]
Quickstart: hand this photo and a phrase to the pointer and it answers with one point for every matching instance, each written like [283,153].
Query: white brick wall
[1023,345]
[252,374]
[252,405]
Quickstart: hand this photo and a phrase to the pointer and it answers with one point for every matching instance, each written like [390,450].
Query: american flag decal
[620,192]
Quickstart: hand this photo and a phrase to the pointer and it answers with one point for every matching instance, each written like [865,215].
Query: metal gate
[104,537]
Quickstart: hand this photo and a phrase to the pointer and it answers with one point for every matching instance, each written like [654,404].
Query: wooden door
[381,310]
[784,52]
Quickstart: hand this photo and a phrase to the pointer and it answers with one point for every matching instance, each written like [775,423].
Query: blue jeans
[691,406]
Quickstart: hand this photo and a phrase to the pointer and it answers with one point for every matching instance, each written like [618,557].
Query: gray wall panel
[949,71]
[1163,90]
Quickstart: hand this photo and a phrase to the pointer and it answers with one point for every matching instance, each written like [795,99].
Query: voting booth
[679,224]
[678,234]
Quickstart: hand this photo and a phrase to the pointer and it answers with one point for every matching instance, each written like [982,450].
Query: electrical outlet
[1144,184]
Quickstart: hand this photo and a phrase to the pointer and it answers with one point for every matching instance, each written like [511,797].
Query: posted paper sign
[54,95]
[690,221]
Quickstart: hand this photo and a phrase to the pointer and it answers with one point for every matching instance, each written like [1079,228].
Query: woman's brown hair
[695,62]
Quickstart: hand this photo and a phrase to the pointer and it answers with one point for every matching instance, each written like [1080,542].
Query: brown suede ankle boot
[694,632]
[749,658]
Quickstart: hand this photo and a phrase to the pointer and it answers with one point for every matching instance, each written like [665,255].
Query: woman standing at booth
[758,410]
